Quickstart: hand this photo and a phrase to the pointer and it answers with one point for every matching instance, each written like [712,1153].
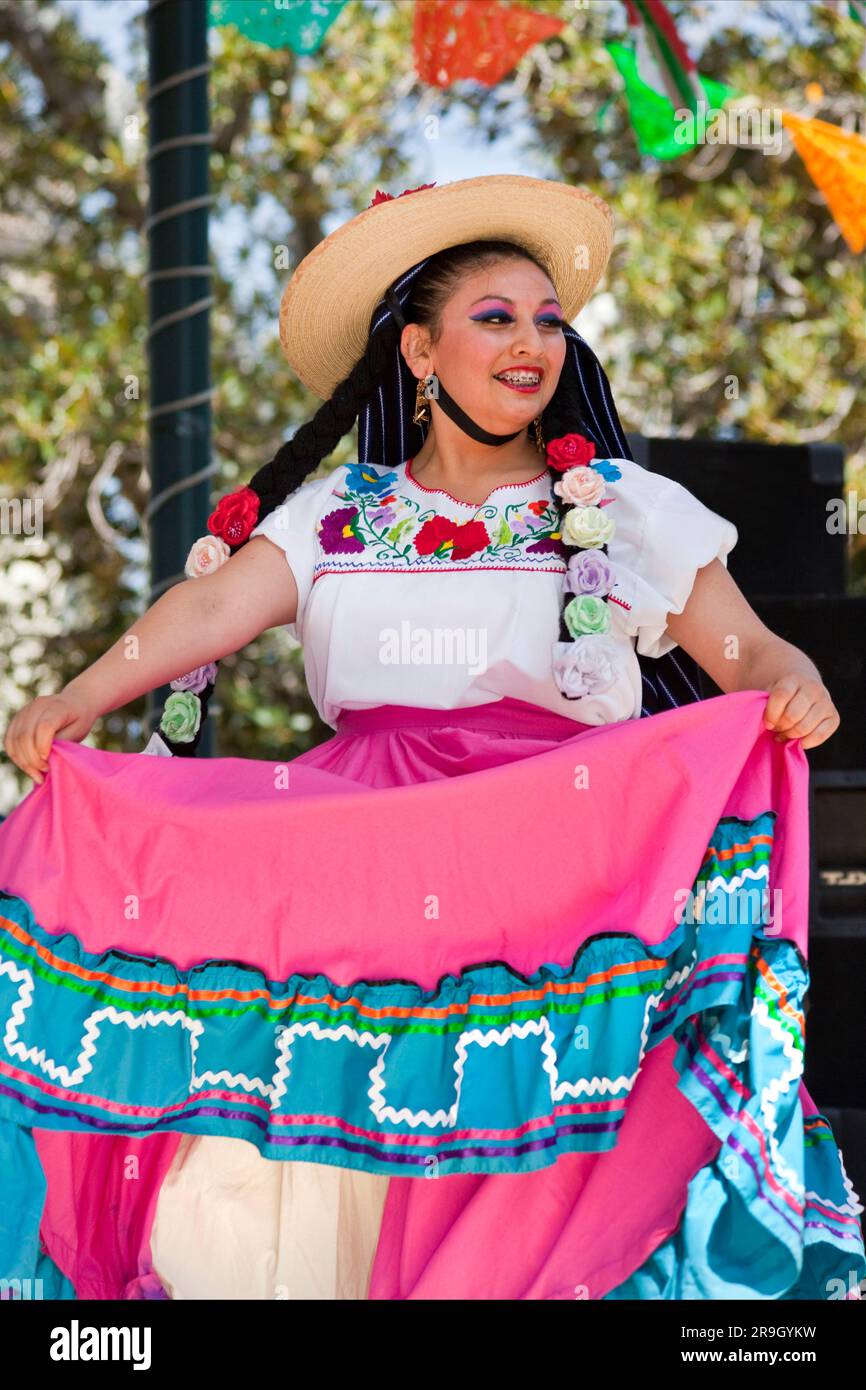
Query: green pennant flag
[297,24]
[654,116]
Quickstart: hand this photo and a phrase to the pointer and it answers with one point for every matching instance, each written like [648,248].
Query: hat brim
[327,305]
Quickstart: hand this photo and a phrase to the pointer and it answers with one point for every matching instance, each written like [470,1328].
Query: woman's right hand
[29,736]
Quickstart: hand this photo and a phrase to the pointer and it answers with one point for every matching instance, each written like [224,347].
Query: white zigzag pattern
[92,1029]
[730,886]
[276,1089]
[853,1206]
[771,1092]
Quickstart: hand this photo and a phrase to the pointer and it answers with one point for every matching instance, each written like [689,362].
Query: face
[500,320]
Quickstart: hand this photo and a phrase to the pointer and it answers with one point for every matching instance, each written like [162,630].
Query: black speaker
[835,1065]
[776,495]
[838,872]
[849,1131]
[831,629]
[793,571]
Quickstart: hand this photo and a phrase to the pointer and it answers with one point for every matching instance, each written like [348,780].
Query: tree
[723,270]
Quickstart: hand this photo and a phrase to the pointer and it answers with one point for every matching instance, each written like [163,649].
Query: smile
[525,379]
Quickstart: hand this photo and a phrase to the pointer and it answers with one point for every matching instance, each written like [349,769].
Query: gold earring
[539,437]
[422,409]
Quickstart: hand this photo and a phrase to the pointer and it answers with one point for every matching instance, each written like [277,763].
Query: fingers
[822,731]
[789,702]
[780,693]
[27,753]
[43,736]
[791,726]
[801,709]
[30,735]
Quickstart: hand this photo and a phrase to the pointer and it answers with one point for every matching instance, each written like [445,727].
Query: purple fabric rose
[195,681]
[589,572]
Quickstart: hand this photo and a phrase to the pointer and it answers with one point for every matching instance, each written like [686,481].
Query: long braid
[185,712]
[316,439]
[563,415]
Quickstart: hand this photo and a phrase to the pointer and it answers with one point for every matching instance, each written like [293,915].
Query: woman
[501,930]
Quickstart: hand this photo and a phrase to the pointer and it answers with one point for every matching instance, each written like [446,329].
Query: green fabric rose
[181,717]
[587,613]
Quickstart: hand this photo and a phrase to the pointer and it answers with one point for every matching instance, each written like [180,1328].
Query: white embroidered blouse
[408,596]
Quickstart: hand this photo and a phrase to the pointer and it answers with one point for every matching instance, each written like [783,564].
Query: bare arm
[196,621]
[725,636]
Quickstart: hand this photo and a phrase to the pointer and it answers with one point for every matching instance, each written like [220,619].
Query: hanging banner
[663,61]
[297,24]
[659,133]
[836,160]
[482,41]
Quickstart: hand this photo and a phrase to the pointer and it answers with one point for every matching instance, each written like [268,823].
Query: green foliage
[735,305]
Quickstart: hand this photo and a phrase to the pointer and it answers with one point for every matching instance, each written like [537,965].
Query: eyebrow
[506,300]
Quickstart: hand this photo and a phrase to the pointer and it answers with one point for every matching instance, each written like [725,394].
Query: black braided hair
[318,438]
[300,456]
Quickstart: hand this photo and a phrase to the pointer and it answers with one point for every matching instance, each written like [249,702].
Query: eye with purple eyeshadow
[548,320]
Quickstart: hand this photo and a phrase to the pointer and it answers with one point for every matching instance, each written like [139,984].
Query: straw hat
[327,305]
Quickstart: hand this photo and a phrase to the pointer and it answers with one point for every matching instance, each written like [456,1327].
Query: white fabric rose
[206,556]
[586,666]
[587,526]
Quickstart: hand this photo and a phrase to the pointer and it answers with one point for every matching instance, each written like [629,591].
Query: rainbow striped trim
[488,1072]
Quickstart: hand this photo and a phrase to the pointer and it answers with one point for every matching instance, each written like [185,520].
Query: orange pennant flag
[479,39]
[836,160]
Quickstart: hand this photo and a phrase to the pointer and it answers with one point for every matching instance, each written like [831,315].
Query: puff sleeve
[664,535]
[293,526]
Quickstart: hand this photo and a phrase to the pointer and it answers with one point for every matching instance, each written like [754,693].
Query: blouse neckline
[503,487]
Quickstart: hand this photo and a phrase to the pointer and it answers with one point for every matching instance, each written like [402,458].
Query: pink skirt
[558,969]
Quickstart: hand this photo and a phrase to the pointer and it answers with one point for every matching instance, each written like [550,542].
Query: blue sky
[458,153]
[453,156]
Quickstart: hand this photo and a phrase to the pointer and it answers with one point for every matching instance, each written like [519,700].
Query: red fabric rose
[389,197]
[466,538]
[235,515]
[569,451]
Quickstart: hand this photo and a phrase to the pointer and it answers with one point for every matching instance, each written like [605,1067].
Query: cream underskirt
[232,1224]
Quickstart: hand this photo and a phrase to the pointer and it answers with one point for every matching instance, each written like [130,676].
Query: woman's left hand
[801,708]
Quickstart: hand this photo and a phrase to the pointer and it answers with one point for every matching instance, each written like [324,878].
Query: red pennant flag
[480,39]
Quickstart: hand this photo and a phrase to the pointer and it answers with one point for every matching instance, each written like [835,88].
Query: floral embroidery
[392,529]
[461,539]
[337,533]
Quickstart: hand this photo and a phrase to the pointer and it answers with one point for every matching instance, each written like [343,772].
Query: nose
[528,338]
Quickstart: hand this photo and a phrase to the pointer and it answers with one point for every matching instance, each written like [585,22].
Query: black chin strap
[454,412]
[448,403]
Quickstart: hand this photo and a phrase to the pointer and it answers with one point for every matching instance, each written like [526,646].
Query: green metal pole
[179,293]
